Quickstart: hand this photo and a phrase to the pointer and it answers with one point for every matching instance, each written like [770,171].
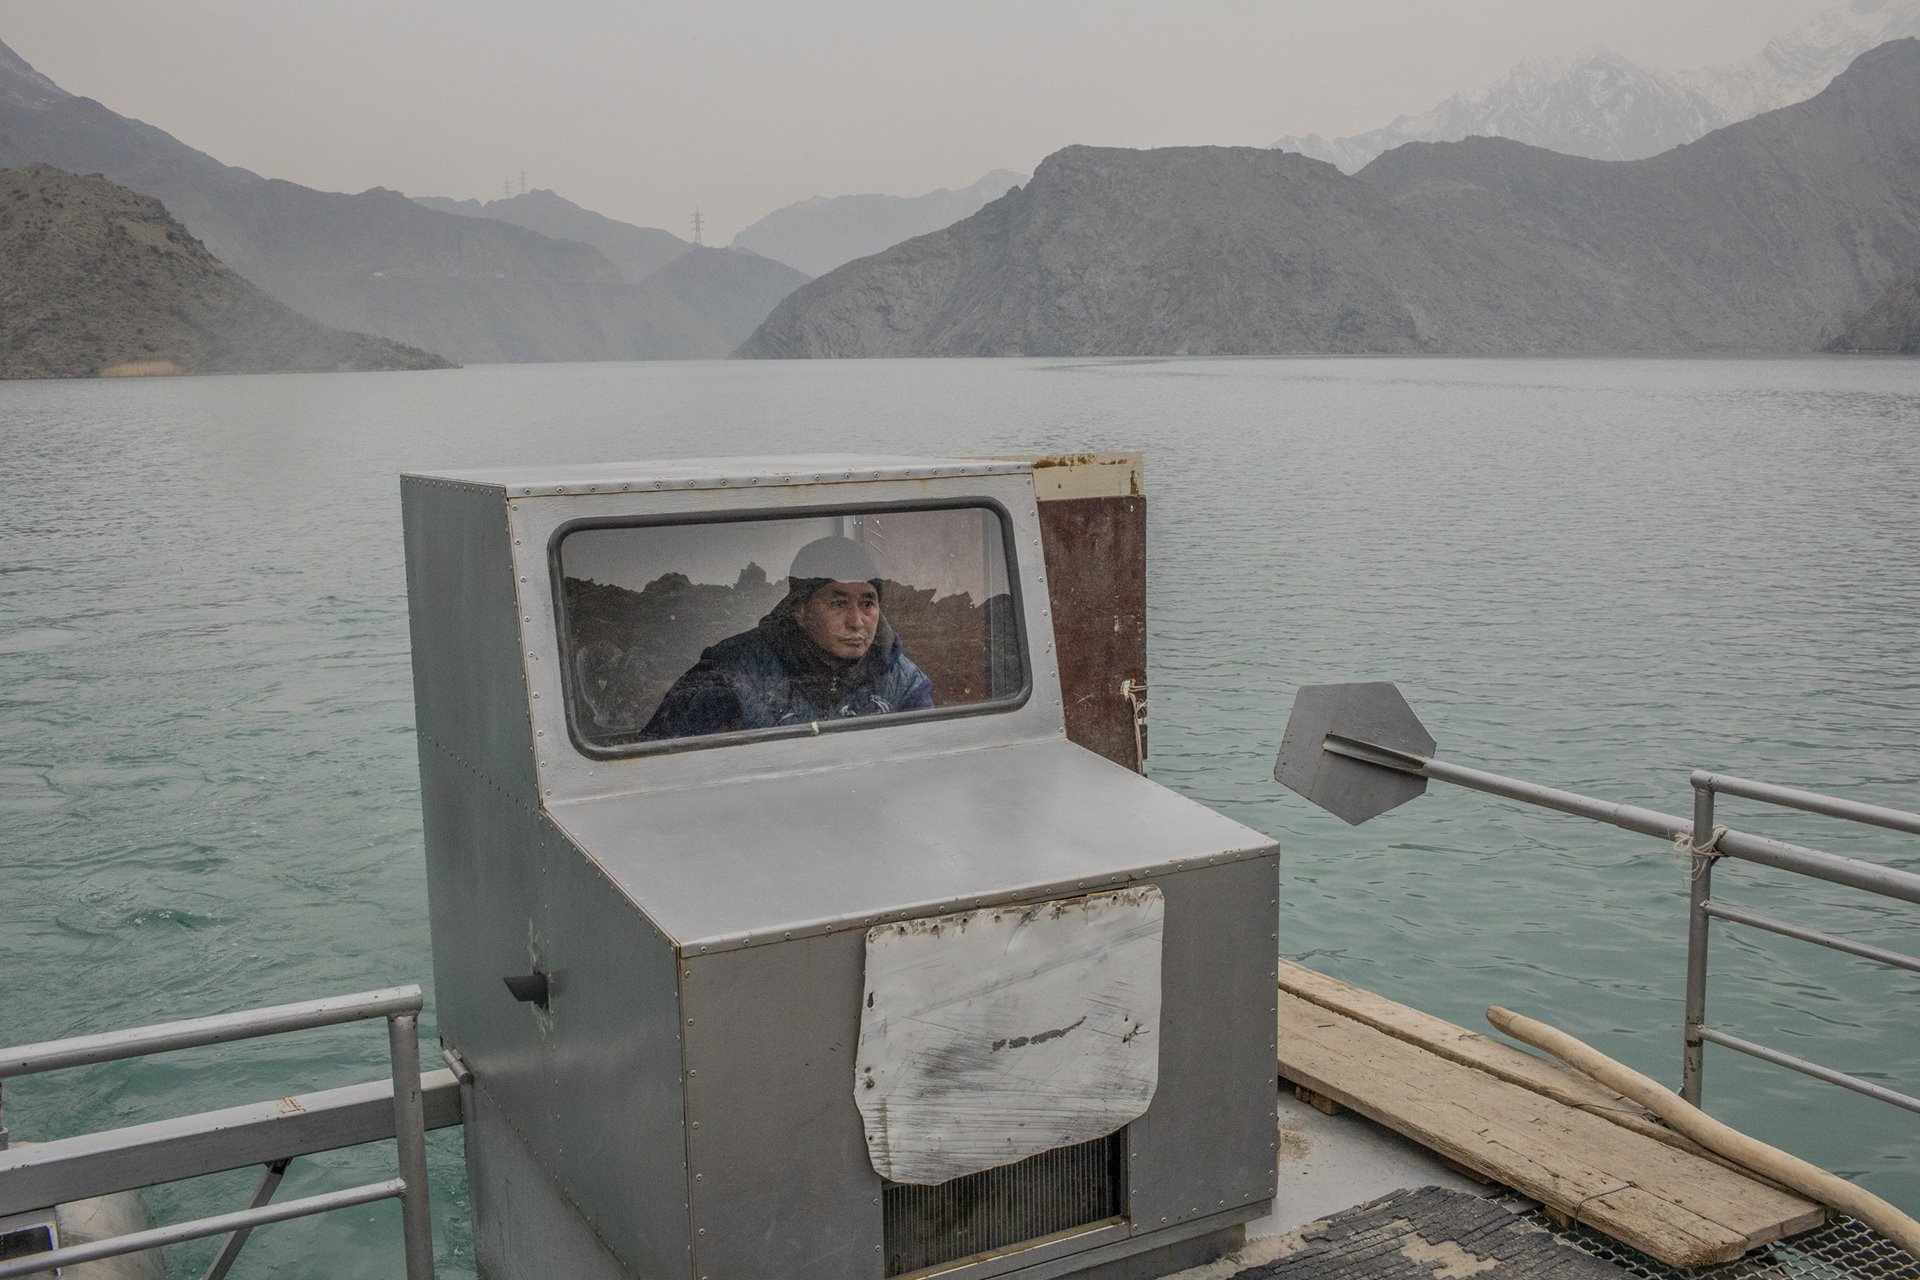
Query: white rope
[1684,846]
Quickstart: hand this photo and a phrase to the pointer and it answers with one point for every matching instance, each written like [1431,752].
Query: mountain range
[637,251]
[1607,107]
[1890,325]
[472,288]
[95,278]
[818,234]
[1760,236]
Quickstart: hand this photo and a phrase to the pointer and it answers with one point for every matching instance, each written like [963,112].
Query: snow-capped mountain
[1797,65]
[1597,103]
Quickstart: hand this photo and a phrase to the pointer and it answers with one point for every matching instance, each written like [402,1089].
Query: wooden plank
[1683,1210]
[1543,1075]
[1068,476]
[1457,1044]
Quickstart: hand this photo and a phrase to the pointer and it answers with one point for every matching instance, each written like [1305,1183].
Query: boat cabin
[784,931]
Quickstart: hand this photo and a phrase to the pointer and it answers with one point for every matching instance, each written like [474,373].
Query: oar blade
[1372,712]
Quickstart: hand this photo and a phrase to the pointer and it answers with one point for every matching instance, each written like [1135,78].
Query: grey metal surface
[567,775]
[770,1077]
[111,1046]
[219,1225]
[846,848]
[36,1175]
[1207,1143]
[1694,1007]
[1188,1245]
[1373,712]
[416,1209]
[522,1225]
[683,1105]
[718,473]
[469,683]
[781,1185]
[1810,801]
[605,1071]
[592,1083]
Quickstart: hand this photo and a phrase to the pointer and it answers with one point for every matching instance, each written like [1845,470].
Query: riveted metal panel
[782,1188]
[610,1098]
[591,1085]
[673,474]
[568,774]
[846,848]
[523,1228]
[486,852]
[469,687]
[1206,1145]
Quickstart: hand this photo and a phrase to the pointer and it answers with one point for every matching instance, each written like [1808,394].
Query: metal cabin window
[699,632]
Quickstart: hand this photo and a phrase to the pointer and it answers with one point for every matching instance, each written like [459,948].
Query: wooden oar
[1769,1162]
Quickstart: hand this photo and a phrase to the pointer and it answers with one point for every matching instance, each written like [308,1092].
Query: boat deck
[1413,1149]
[1525,1122]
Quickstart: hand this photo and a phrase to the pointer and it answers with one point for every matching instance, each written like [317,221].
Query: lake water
[1594,573]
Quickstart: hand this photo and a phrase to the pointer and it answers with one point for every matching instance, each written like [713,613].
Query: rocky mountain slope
[1891,324]
[475,289]
[95,278]
[1754,238]
[818,234]
[707,301]
[1605,106]
[637,251]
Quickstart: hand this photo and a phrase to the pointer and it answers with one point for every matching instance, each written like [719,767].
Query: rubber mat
[1426,1234]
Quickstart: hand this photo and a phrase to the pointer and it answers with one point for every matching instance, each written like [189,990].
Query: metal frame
[1719,842]
[565,773]
[400,1006]
[1702,911]
[603,751]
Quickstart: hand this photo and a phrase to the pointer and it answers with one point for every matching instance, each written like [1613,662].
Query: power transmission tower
[698,223]
[523,182]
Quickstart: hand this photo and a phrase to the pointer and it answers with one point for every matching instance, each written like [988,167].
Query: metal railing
[1349,748]
[1703,910]
[42,1170]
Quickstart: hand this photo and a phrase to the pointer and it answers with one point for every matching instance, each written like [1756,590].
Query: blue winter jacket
[772,676]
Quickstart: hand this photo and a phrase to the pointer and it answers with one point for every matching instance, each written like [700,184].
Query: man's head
[835,589]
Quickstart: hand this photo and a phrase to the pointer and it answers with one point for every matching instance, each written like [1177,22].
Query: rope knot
[1684,845]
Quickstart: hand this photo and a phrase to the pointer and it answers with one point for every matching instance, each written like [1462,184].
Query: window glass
[682,631]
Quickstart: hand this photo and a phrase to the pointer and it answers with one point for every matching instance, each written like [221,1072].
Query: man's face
[840,618]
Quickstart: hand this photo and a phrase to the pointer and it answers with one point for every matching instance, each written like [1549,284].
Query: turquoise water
[1594,573]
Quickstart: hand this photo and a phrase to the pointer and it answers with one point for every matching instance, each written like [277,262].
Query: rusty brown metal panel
[1096,551]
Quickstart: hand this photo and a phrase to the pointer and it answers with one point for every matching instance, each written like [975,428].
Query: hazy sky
[645,110]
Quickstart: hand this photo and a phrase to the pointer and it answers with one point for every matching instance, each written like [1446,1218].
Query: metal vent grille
[1054,1191]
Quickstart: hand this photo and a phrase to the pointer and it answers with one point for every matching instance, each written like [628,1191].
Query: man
[825,652]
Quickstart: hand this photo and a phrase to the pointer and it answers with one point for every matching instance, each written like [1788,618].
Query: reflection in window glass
[683,630]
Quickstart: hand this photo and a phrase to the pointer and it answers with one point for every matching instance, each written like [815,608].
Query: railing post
[410,1137]
[1699,893]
